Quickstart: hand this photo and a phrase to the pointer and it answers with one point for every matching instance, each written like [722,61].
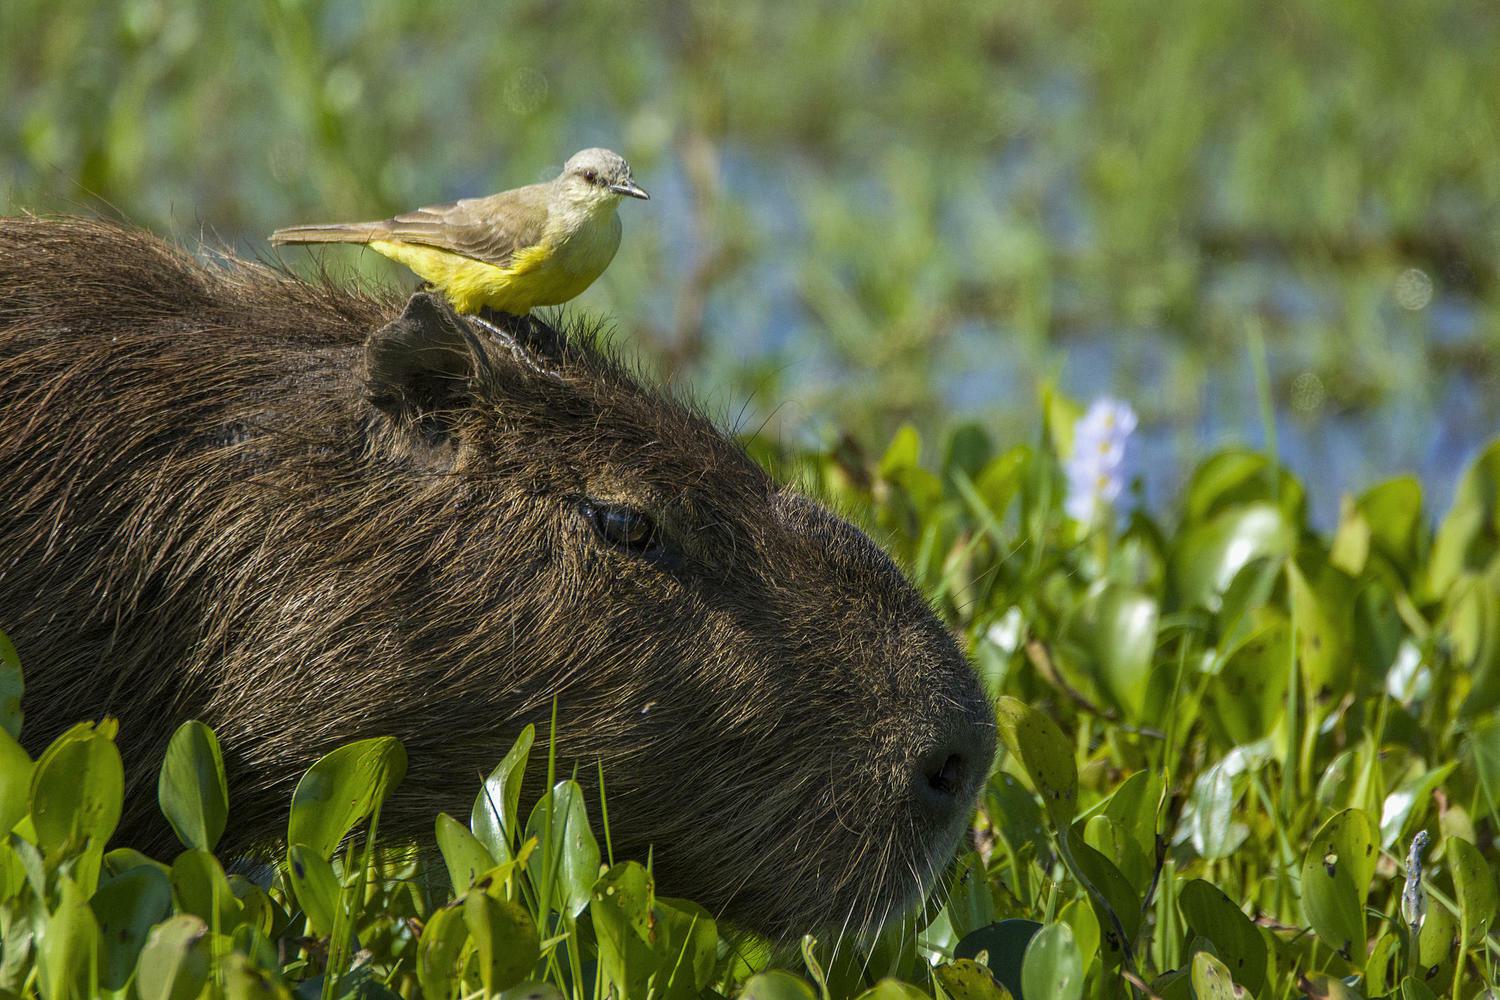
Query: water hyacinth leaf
[495,819]
[687,940]
[1393,511]
[12,686]
[571,856]
[533,991]
[316,886]
[1213,833]
[77,789]
[1115,903]
[1336,874]
[1407,801]
[1482,744]
[123,859]
[463,854]
[440,952]
[1080,916]
[1111,840]
[174,962]
[68,946]
[244,981]
[904,452]
[1133,806]
[126,907]
[970,895]
[200,887]
[1467,536]
[966,979]
[342,789]
[505,940]
[1474,885]
[1044,753]
[777,985]
[1211,980]
[1052,966]
[893,989]
[1004,945]
[621,910]
[1208,556]
[1472,622]
[1413,988]
[1350,548]
[1117,627]
[1321,643]
[16,770]
[257,909]
[1248,697]
[193,791]
[1238,942]
[1383,970]
[1237,477]
[1436,942]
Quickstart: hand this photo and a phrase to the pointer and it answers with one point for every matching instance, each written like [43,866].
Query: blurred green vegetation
[875,214]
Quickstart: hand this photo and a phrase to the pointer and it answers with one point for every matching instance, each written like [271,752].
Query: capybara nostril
[946,779]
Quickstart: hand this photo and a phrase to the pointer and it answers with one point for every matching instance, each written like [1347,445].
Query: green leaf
[1235,938]
[16,770]
[464,855]
[1116,625]
[193,791]
[621,910]
[174,962]
[1003,945]
[505,940]
[1435,942]
[1052,966]
[893,989]
[1413,988]
[1393,511]
[1336,873]
[1482,743]
[1469,535]
[776,985]
[904,452]
[1248,696]
[1322,645]
[571,854]
[127,907]
[68,946]
[77,790]
[1111,840]
[1133,806]
[966,979]
[1213,831]
[1111,896]
[343,788]
[440,952]
[1207,556]
[317,888]
[12,685]
[1211,980]
[687,941]
[1474,885]
[1238,477]
[495,818]
[1044,753]
[1472,621]
[200,887]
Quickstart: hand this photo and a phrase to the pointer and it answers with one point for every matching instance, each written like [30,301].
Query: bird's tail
[351,232]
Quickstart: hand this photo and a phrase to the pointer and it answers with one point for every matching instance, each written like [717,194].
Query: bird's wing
[491,229]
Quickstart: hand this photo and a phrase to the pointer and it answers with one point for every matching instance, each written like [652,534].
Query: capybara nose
[948,775]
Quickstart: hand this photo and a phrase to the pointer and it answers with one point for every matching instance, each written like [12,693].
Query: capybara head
[307,516]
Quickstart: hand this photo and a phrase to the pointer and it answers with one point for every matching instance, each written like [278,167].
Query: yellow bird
[537,245]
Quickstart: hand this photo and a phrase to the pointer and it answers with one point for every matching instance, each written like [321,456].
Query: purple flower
[1095,468]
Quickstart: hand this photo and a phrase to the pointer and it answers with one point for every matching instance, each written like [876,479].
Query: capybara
[307,515]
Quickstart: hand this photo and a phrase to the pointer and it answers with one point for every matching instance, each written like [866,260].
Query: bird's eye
[625,528]
[590,176]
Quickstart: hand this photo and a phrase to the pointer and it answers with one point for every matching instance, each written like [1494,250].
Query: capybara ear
[420,366]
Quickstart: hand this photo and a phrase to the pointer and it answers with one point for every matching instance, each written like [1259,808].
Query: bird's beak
[630,189]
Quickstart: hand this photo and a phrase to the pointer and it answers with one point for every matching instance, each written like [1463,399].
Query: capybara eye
[625,528]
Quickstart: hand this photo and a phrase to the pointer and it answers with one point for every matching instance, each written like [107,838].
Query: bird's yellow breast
[554,271]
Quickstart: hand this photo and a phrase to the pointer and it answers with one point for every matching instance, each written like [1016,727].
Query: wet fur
[203,515]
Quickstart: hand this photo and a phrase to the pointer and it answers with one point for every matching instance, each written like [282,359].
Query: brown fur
[213,505]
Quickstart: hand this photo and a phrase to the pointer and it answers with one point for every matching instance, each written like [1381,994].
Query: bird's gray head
[600,174]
